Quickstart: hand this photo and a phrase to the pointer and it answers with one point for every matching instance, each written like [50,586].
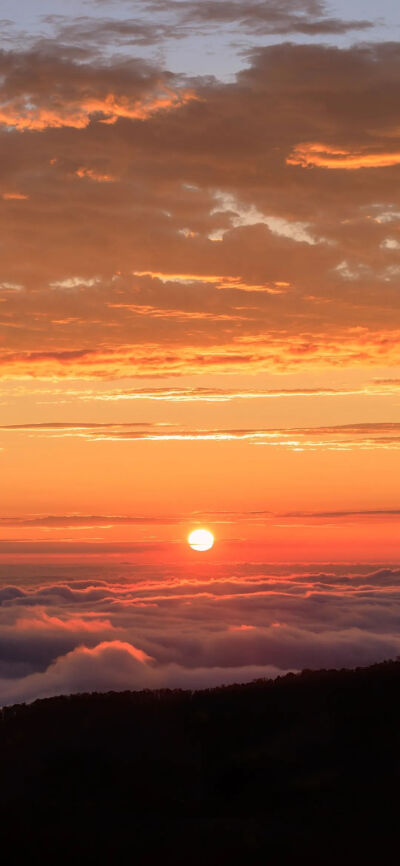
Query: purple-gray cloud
[161,627]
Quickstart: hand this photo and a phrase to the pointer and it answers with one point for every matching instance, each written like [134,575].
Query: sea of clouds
[116,626]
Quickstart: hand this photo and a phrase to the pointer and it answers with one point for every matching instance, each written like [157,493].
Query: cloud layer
[218,241]
[160,627]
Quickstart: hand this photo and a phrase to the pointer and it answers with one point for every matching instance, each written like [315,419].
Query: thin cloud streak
[370,436]
[203,394]
[323,156]
[200,394]
[85,521]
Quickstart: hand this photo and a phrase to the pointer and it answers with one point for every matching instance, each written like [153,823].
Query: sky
[199,327]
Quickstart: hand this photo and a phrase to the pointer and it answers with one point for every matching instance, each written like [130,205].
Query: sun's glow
[201,539]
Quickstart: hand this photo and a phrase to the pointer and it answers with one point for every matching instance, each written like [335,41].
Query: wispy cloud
[234,518]
[345,437]
[220,282]
[323,156]
[202,394]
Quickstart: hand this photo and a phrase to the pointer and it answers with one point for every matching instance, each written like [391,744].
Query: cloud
[92,174]
[14,196]
[181,315]
[86,520]
[220,282]
[107,666]
[118,665]
[362,513]
[344,437]
[157,629]
[274,17]
[323,156]
[132,91]
[45,622]
[101,32]
[242,215]
[204,394]
[115,666]
[169,21]
[302,274]
[60,522]
[243,355]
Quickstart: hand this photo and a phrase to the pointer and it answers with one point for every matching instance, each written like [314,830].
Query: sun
[201,539]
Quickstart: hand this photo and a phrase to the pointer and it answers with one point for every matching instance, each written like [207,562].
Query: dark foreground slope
[302,770]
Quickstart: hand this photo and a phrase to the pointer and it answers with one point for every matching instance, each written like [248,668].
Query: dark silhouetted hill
[303,770]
